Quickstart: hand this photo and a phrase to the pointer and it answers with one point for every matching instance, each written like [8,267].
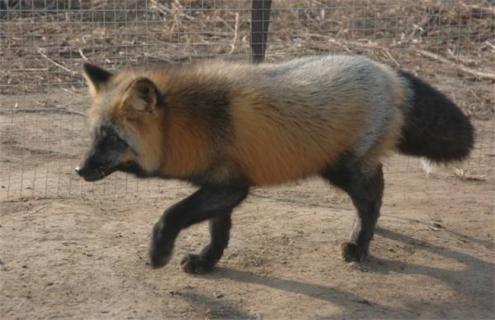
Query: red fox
[226,127]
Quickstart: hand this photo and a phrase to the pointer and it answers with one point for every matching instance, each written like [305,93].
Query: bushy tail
[434,126]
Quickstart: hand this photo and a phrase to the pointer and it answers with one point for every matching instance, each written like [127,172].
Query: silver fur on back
[327,81]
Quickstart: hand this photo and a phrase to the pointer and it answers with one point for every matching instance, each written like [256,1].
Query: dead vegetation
[45,42]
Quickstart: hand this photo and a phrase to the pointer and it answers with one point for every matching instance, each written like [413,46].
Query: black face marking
[104,156]
[135,169]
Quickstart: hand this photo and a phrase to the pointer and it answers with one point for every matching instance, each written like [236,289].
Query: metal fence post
[260,20]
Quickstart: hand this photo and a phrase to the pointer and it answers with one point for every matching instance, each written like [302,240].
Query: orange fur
[185,149]
[273,146]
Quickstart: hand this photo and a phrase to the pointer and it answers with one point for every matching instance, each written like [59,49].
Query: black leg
[364,184]
[210,254]
[209,202]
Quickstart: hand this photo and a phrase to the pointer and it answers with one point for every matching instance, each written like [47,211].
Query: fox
[228,127]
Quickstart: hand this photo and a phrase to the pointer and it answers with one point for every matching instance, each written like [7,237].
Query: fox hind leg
[364,183]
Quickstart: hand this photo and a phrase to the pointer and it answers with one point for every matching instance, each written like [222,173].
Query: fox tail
[434,127]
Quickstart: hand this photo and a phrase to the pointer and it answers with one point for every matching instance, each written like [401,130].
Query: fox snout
[104,156]
[96,166]
[90,174]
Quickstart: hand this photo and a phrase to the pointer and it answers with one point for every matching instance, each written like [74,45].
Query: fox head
[125,120]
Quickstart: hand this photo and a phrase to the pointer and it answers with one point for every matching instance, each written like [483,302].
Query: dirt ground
[75,250]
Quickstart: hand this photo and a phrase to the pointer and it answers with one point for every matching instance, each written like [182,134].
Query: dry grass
[43,45]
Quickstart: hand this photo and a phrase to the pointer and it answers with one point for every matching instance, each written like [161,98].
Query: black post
[260,20]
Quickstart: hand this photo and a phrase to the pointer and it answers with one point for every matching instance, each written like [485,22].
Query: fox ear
[142,95]
[96,77]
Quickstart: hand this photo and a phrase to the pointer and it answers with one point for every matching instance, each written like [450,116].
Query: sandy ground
[72,250]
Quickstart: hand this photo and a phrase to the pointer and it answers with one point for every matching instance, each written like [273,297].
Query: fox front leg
[205,260]
[212,202]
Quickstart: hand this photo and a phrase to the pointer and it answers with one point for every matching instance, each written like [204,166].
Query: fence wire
[44,43]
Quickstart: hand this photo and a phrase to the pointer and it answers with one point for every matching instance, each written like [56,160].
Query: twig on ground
[370,45]
[177,6]
[43,110]
[391,57]
[40,51]
[236,31]
[489,44]
[479,12]
[460,67]
[159,7]
[38,209]
[343,46]
[219,18]
[82,55]
[464,60]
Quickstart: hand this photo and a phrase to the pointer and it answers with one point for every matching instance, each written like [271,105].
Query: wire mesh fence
[43,44]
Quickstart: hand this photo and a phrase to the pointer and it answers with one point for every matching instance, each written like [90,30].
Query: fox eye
[113,138]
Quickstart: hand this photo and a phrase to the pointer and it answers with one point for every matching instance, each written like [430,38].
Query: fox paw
[195,264]
[353,253]
[161,247]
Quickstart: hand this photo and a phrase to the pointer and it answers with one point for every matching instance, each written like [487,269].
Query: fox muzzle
[104,157]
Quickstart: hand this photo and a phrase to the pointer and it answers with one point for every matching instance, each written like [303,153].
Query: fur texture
[229,126]
[435,127]
[267,124]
